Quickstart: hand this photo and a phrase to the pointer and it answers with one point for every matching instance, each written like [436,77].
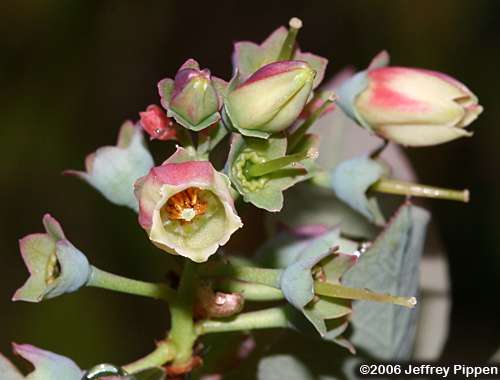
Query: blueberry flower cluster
[266,124]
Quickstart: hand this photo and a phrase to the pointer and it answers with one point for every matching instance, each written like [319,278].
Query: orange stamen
[186,199]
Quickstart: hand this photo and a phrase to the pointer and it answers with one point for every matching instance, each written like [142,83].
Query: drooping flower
[156,124]
[271,99]
[112,170]
[316,257]
[48,366]
[409,106]
[186,207]
[55,265]
[194,97]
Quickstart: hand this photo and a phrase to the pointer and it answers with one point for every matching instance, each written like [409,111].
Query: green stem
[263,276]
[378,151]
[322,178]
[250,291]
[263,319]
[296,137]
[184,137]
[105,280]
[340,291]
[208,141]
[392,186]
[257,170]
[164,353]
[288,47]
[182,334]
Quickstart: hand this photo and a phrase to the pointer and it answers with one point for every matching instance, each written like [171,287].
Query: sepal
[351,180]
[248,57]
[296,281]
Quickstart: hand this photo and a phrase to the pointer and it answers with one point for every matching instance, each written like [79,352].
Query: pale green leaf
[390,265]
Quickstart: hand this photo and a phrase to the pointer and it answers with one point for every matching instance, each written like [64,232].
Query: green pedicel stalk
[263,319]
[250,291]
[296,137]
[182,333]
[271,278]
[263,276]
[164,353]
[105,280]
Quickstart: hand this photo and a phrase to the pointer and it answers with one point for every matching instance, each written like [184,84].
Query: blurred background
[72,71]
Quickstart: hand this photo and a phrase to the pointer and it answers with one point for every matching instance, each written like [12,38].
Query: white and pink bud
[194,97]
[186,207]
[271,99]
[409,106]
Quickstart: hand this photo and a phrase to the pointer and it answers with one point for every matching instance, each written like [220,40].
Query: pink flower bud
[409,106]
[193,98]
[156,123]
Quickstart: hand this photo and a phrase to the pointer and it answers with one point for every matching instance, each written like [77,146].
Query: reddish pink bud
[156,123]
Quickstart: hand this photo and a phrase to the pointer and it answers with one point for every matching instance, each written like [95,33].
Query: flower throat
[185,205]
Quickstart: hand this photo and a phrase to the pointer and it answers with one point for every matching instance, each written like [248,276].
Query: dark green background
[72,71]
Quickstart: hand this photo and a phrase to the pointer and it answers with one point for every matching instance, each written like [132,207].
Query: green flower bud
[271,99]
